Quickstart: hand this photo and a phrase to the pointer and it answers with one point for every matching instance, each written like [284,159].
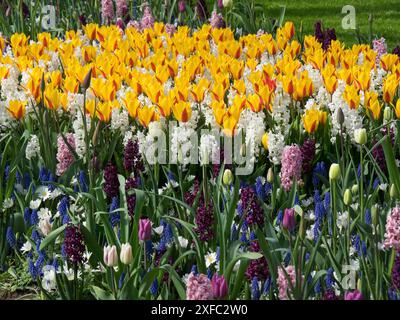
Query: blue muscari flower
[252,236]
[319,169]
[279,218]
[267,285]
[244,226]
[267,188]
[359,171]
[239,209]
[149,249]
[318,287]
[26,180]
[55,264]
[259,188]
[327,201]
[218,253]
[161,245]
[393,295]
[171,176]
[39,262]
[317,196]
[35,236]
[287,258]
[51,179]
[82,181]
[18,177]
[66,219]
[114,216]
[243,236]
[168,234]
[154,287]
[34,217]
[194,270]
[357,244]
[368,218]
[364,248]
[376,183]
[43,175]
[32,269]
[255,290]
[330,281]
[209,273]
[121,280]
[233,232]
[307,257]
[63,252]
[10,236]
[6,173]
[27,216]
[63,206]
[316,230]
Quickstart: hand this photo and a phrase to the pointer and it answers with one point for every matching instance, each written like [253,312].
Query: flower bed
[163,163]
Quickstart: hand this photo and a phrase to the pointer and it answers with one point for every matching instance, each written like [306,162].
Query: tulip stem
[361,184]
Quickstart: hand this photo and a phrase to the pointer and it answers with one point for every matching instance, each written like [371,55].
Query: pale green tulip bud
[227,178]
[334,171]
[347,197]
[270,175]
[354,189]
[360,136]
[393,191]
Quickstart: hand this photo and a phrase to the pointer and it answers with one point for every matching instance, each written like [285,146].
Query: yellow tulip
[264,141]
[16,108]
[52,98]
[311,120]
[331,84]
[132,103]
[397,109]
[229,125]
[390,85]
[182,111]
[164,106]
[146,115]
[351,96]
[388,61]
[254,102]
[103,111]
[4,72]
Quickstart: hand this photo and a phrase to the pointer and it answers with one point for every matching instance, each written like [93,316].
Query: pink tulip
[219,286]
[144,229]
[289,219]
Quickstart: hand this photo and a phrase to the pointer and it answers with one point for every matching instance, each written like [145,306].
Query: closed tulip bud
[359,284]
[144,229]
[264,141]
[393,191]
[226,3]
[227,178]
[387,114]
[219,286]
[334,171]
[289,219]
[110,256]
[360,136]
[270,175]
[347,197]
[126,253]
[354,189]
[87,80]
[340,116]
[375,215]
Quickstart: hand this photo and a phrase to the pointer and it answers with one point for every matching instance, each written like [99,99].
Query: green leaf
[52,236]
[101,294]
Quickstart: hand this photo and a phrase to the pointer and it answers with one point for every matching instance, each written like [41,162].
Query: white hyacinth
[32,148]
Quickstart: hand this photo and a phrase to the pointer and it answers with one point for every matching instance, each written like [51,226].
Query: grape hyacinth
[308,153]
[258,267]
[204,220]
[250,206]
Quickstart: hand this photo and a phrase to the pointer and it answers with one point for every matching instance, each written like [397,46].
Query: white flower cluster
[79,133]
[209,148]
[119,120]
[32,147]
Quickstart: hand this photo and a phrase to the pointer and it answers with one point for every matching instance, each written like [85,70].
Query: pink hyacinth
[291,165]
[355,295]
[198,287]
[392,234]
[170,29]
[216,20]
[64,156]
[147,19]
[122,8]
[380,47]
[283,283]
[135,24]
[107,11]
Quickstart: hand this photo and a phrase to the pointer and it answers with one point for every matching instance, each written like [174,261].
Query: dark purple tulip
[219,286]
[144,229]
[289,219]
[355,295]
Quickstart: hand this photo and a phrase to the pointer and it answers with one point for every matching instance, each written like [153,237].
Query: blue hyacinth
[194,270]
[35,236]
[209,273]
[267,285]
[279,218]
[154,287]
[319,170]
[114,216]
[260,188]
[330,281]
[32,269]
[255,290]
[368,218]
[82,181]
[43,175]
[121,280]
[10,236]
[27,216]
[318,287]
[34,217]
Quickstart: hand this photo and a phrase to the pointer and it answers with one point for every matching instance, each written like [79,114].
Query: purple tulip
[219,286]
[289,219]
[220,4]
[355,295]
[144,229]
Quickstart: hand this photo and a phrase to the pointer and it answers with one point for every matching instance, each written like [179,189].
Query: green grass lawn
[386,17]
